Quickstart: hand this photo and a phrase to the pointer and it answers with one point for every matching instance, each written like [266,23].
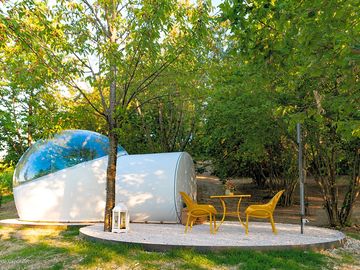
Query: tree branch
[128,83]
[141,104]
[102,27]
[148,80]
[72,83]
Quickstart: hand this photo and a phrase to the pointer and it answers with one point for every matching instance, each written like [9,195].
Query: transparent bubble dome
[64,150]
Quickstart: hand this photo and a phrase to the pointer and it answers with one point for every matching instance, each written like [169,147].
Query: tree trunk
[110,14]
[163,133]
[110,180]
[352,192]
[113,142]
[111,168]
[329,201]
[18,147]
[288,196]
[185,142]
[324,172]
[145,127]
[30,121]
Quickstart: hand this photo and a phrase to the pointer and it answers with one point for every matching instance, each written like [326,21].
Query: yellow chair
[198,210]
[263,211]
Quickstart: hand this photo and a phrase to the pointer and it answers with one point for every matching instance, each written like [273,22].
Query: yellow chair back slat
[186,198]
[273,202]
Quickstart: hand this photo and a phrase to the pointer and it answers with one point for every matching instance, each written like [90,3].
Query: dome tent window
[64,150]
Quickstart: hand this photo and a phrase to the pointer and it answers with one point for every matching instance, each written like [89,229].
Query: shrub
[6,180]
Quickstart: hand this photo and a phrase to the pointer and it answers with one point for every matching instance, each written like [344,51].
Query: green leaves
[293,59]
[105,53]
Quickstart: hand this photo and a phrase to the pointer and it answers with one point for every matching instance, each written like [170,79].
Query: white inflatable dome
[64,180]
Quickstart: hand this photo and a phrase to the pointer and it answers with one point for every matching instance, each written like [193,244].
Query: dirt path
[210,185]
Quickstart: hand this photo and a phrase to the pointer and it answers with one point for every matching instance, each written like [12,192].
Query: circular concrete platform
[162,237]
[16,223]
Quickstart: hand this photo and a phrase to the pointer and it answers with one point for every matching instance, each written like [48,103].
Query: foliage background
[245,76]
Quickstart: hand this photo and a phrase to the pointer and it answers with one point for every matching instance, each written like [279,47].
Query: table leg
[224,212]
[238,212]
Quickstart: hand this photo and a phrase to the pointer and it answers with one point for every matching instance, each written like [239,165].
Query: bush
[6,180]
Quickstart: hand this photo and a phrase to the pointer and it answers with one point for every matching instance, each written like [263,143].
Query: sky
[215,3]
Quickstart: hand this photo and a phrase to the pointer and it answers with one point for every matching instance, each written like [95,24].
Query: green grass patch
[70,232]
[355,235]
[288,259]
[67,250]
[347,258]
[44,249]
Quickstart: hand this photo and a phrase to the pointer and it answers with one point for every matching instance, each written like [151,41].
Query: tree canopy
[226,85]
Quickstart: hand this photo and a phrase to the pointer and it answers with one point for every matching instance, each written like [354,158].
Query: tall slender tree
[115,48]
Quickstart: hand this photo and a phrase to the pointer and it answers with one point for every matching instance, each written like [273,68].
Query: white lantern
[120,218]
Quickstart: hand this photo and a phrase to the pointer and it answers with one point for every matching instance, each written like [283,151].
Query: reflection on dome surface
[64,150]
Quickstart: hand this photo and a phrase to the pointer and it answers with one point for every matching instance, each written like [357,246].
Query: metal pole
[301,178]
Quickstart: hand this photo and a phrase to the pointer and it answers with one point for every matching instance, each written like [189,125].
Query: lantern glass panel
[116,220]
[122,220]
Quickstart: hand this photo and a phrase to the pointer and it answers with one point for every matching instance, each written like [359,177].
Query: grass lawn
[55,249]
[58,249]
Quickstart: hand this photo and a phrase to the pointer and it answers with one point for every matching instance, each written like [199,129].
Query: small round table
[231,196]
